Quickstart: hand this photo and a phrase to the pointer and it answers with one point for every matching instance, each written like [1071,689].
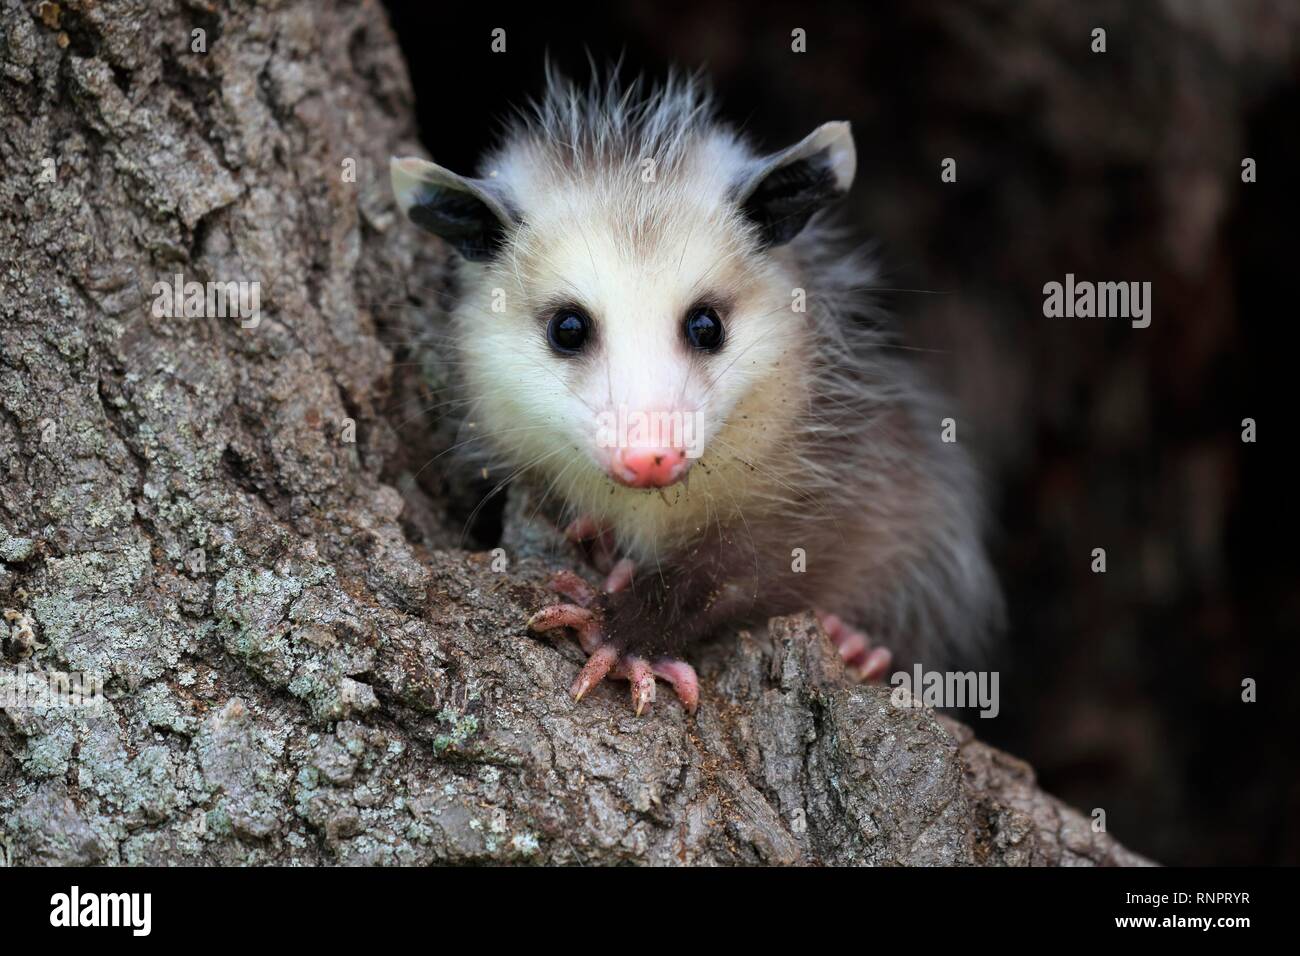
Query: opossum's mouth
[647,467]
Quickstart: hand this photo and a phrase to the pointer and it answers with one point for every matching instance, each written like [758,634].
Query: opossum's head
[629,296]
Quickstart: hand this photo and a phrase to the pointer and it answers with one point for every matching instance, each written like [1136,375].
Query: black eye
[568,330]
[704,328]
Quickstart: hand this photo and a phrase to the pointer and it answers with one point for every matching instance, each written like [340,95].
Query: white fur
[636,256]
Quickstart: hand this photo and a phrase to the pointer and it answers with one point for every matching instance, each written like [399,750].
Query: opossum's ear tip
[465,212]
[843,155]
[407,174]
[784,190]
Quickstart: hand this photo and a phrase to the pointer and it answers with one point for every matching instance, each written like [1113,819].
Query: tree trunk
[204,514]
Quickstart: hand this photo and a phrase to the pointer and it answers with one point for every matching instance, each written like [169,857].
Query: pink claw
[866,661]
[600,662]
[569,615]
[638,673]
[574,588]
[876,665]
[620,576]
[686,683]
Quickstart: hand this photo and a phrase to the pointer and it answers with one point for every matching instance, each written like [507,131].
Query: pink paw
[865,661]
[597,542]
[603,659]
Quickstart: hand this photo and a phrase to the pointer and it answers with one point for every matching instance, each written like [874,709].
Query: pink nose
[648,467]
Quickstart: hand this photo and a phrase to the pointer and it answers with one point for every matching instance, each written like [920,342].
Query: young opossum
[658,329]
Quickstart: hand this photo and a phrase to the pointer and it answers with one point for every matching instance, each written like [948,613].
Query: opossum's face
[637,348]
[625,326]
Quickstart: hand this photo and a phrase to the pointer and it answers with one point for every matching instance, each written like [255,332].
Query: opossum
[659,327]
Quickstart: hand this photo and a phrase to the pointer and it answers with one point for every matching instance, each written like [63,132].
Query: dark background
[1123,689]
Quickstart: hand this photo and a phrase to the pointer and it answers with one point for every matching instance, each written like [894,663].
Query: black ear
[468,213]
[780,193]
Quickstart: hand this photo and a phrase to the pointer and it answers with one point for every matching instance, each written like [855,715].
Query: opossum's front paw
[864,660]
[606,660]
[596,541]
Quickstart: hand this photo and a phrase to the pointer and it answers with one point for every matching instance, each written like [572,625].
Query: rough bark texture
[298,666]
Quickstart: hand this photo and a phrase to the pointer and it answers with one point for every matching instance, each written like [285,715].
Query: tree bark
[299,665]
